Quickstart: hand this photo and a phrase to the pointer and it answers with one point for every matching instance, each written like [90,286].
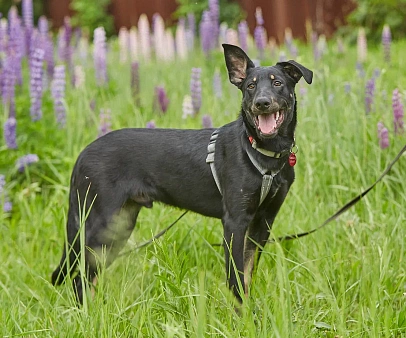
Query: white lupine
[123,41]
[144,36]
[181,43]
[159,38]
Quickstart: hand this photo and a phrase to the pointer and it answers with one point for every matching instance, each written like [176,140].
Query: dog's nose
[262,103]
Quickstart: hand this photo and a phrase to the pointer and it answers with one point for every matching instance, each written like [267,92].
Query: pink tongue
[266,123]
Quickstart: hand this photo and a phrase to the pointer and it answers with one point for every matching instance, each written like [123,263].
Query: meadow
[346,280]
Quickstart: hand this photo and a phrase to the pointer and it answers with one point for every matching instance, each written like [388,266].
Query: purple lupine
[243,32]
[214,10]
[151,124]
[135,82]
[161,101]
[218,90]
[36,87]
[105,122]
[207,121]
[43,28]
[28,21]
[316,51]
[196,89]
[26,160]
[8,83]
[58,94]
[347,87]
[360,69]
[260,33]
[68,52]
[383,135]
[16,43]
[190,30]
[3,36]
[397,112]
[10,134]
[361,45]
[206,32]
[369,95]
[100,56]
[7,205]
[386,42]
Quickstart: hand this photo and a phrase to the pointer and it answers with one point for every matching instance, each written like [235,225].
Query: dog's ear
[237,63]
[296,71]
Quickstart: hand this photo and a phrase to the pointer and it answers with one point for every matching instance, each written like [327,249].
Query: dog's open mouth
[268,124]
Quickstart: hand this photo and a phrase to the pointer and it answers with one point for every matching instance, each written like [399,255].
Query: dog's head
[268,92]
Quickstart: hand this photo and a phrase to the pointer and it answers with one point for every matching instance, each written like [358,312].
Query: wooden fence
[324,15]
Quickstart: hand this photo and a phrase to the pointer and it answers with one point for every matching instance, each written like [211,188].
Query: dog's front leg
[235,228]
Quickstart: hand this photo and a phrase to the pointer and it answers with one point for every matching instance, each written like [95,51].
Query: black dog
[245,184]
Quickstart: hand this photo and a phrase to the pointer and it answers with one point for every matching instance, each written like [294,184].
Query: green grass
[346,280]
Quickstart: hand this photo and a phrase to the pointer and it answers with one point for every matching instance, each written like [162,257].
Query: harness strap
[210,158]
[267,179]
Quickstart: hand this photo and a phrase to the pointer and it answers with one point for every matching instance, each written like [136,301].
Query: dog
[239,173]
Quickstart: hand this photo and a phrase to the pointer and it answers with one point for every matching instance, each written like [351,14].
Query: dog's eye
[251,86]
[277,83]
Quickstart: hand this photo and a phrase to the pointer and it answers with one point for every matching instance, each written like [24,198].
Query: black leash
[345,207]
[159,234]
[294,236]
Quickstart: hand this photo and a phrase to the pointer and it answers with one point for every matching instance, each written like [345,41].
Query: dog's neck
[282,142]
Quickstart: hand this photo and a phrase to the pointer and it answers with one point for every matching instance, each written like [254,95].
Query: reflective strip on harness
[210,157]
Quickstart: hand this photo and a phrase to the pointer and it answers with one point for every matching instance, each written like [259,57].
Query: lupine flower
[24,161]
[79,76]
[105,122]
[347,87]
[288,37]
[161,99]
[10,135]
[361,45]
[133,43]
[28,14]
[243,32]
[36,87]
[135,82]
[187,107]
[47,45]
[170,46]
[123,41]
[259,33]
[207,121]
[144,35]
[190,31]
[8,83]
[100,56]
[68,47]
[273,47]
[397,112]
[282,56]
[231,36]
[3,35]
[218,90]
[196,89]
[369,94]
[321,45]
[83,47]
[316,51]
[16,43]
[159,37]
[223,31]
[7,205]
[386,42]
[150,124]
[58,93]
[383,135]
[360,69]
[92,105]
[180,39]
[206,32]
[214,10]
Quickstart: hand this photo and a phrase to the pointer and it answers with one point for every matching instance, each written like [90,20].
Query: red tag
[292,159]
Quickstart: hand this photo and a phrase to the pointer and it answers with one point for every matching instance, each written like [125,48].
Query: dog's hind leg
[104,241]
